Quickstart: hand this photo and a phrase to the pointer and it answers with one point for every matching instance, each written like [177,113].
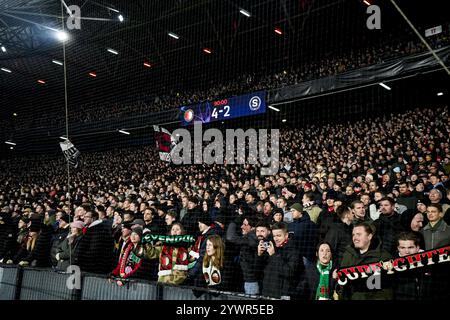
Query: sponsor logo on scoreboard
[254,103]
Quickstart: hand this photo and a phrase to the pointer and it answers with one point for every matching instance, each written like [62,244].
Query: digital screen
[224,109]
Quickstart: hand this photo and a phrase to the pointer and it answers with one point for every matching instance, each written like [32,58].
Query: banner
[432,31]
[164,143]
[70,153]
[183,240]
[401,264]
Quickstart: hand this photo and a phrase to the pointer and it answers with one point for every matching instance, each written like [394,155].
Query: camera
[266,244]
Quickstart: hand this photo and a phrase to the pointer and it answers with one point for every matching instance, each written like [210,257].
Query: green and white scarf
[323,290]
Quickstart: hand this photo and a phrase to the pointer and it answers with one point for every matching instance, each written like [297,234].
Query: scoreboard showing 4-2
[221,110]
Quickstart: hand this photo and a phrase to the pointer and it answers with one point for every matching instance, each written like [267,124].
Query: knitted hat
[137,229]
[65,217]
[77,224]
[297,206]
[204,218]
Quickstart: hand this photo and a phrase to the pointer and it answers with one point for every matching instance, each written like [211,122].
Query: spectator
[408,285]
[389,225]
[173,260]
[69,246]
[365,249]
[436,233]
[37,252]
[213,261]
[131,258]
[359,212]
[61,234]
[340,234]
[247,243]
[406,197]
[189,220]
[206,228]
[95,252]
[310,207]
[304,234]
[319,283]
[283,268]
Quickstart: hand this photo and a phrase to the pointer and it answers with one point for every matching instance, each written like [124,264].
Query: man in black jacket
[96,248]
[60,235]
[283,268]
[340,234]
[388,225]
[247,242]
[189,221]
[305,233]
[408,285]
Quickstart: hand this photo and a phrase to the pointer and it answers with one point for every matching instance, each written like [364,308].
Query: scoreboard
[225,109]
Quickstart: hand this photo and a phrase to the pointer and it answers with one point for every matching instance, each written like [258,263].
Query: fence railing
[19,283]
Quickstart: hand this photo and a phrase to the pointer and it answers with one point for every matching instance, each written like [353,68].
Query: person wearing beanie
[131,258]
[189,221]
[206,228]
[305,233]
[277,215]
[68,248]
[119,245]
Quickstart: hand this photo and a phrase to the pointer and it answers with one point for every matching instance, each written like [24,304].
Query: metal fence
[17,283]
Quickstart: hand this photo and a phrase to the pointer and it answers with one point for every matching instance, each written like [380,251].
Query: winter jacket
[67,250]
[388,227]
[437,236]
[339,237]
[408,285]
[190,222]
[313,211]
[305,235]
[311,282]
[173,262]
[60,235]
[410,201]
[96,249]
[8,235]
[248,245]
[357,289]
[282,271]
[40,255]
[325,221]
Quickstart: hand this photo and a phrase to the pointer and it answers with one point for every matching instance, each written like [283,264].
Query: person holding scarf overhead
[319,282]
[173,258]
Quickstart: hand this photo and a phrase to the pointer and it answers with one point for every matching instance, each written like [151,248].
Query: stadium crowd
[345,194]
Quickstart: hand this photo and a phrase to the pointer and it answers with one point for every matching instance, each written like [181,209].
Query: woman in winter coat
[173,260]
[68,248]
[319,283]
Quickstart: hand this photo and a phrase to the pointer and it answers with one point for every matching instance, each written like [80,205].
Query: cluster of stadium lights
[63,37]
